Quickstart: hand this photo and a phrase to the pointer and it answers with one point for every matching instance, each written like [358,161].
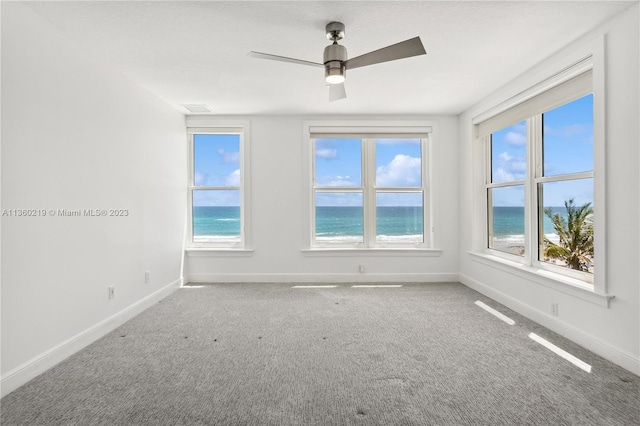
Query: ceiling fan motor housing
[334,58]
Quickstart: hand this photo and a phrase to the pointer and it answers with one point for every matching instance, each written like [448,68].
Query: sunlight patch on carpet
[561,352]
[314,286]
[377,286]
[495,313]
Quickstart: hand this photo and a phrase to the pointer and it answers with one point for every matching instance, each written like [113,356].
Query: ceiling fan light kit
[334,59]
[336,64]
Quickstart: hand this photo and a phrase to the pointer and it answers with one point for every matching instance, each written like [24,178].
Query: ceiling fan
[336,63]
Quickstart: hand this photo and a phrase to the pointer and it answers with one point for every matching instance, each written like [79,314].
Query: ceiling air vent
[197,109]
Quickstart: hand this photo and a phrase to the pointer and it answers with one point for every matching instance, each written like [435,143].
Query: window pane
[506,219]
[509,153]
[216,160]
[398,163]
[568,138]
[339,217]
[399,217]
[216,216]
[338,162]
[567,224]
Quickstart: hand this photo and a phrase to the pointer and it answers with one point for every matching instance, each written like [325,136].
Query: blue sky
[338,164]
[216,163]
[568,148]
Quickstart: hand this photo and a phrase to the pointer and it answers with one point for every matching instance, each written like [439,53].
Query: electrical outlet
[554,309]
[147,277]
[112,292]
[361,269]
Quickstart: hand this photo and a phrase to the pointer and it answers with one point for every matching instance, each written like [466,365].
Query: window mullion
[507,183]
[241,189]
[190,185]
[191,167]
[565,177]
[427,220]
[312,228]
[369,179]
[216,188]
[486,141]
[532,190]
[489,224]
[488,161]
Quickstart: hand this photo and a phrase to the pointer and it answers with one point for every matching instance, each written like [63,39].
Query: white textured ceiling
[196,52]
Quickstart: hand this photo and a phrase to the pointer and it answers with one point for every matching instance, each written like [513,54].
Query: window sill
[217,251]
[380,251]
[559,282]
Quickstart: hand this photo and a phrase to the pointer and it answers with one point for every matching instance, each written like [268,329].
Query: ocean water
[222,222]
[331,223]
[346,223]
[509,221]
[339,222]
[508,229]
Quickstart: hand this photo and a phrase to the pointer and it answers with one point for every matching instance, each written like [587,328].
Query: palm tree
[576,236]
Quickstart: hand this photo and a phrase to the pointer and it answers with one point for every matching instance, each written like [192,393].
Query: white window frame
[203,125]
[533,178]
[588,59]
[368,131]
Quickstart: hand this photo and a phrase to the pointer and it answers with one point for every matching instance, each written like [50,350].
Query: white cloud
[200,178]
[514,170]
[508,167]
[336,181]
[216,198]
[518,167]
[348,199]
[233,178]
[229,157]
[502,175]
[515,138]
[403,170]
[509,196]
[326,153]
[505,156]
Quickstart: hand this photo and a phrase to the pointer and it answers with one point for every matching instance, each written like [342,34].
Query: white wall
[278,203]
[77,136]
[612,332]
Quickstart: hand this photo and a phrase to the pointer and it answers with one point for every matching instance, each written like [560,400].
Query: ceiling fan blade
[282,59]
[404,49]
[337,92]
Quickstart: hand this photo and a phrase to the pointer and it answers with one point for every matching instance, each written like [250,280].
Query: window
[564,186]
[540,180]
[217,197]
[505,189]
[369,189]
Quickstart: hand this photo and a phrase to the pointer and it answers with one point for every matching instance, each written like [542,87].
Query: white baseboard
[23,373]
[582,338]
[324,278]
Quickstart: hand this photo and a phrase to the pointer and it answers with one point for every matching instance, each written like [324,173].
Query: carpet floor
[271,354]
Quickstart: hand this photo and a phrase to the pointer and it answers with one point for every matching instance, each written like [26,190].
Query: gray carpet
[267,354]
